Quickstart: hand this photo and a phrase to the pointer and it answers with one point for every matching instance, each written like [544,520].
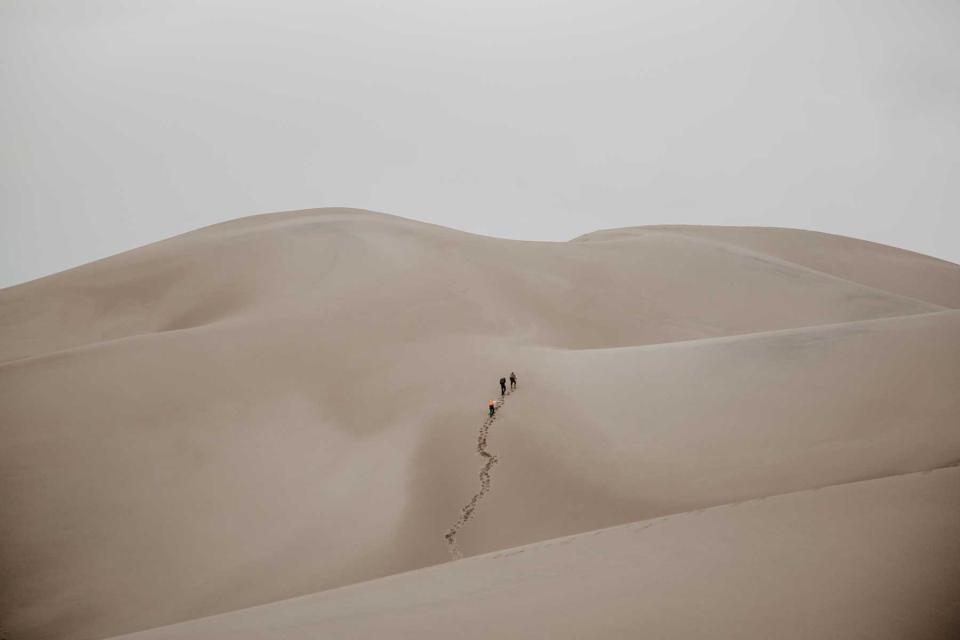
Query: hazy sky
[127,121]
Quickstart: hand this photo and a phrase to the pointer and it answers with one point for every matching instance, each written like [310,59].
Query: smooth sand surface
[868,263]
[289,403]
[801,565]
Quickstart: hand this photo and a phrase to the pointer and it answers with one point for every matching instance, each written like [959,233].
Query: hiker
[513,381]
[503,386]
[493,408]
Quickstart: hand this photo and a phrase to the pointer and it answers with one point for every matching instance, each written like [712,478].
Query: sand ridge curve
[638,573]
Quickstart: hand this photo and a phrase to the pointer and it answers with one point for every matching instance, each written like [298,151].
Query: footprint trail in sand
[489,460]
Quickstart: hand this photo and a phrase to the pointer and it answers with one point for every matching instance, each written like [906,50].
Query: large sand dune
[289,403]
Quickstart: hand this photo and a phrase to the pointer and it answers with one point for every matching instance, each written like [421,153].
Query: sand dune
[289,403]
[868,263]
[346,267]
[876,559]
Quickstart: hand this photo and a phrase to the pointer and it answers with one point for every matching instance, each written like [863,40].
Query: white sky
[127,121]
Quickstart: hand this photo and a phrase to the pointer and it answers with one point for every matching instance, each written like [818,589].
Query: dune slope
[867,263]
[876,559]
[289,403]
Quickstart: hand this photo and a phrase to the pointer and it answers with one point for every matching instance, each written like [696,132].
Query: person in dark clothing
[513,381]
[503,386]
[493,408]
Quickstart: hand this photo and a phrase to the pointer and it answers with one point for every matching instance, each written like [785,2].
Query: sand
[287,404]
[790,566]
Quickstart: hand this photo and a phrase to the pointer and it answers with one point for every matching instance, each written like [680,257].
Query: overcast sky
[127,121]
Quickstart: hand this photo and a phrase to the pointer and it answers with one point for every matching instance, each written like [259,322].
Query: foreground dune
[289,403]
[876,559]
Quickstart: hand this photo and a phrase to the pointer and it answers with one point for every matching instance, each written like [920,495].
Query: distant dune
[289,403]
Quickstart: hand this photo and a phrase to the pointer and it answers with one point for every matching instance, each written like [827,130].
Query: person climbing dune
[513,381]
[493,407]
[503,386]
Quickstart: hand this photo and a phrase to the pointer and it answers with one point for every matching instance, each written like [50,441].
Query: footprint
[467,512]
